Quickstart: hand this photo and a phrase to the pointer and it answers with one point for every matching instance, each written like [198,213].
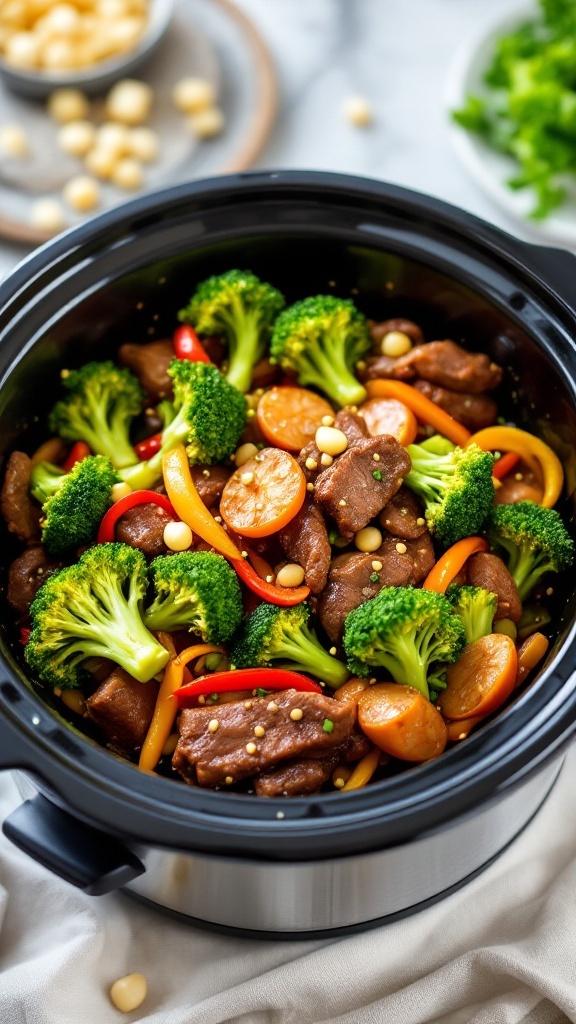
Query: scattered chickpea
[327,421]
[395,343]
[114,137]
[369,539]
[376,457]
[296,714]
[259,731]
[331,441]
[251,748]
[120,491]
[213,725]
[207,123]
[326,460]
[228,780]
[68,105]
[127,174]
[311,463]
[376,565]
[13,141]
[129,101]
[76,137]
[129,993]
[244,453]
[401,549]
[507,627]
[144,144]
[193,95]
[81,193]
[177,536]
[357,111]
[47,215]
[100,162]
[291,575]
[22,50]
[420,521]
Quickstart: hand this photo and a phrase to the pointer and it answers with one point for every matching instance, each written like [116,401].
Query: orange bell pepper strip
[424,409]
[538,455]
[363,771]
[166,709]
[189,506]
[449,564]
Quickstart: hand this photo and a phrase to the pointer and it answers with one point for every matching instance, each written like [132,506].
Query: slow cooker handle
[78,853]
[555,266]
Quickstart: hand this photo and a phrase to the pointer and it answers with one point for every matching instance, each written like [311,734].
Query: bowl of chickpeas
[88,44]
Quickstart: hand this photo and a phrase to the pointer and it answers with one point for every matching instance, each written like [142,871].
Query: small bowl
[37,84]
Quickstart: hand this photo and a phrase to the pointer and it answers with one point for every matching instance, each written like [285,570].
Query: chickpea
[127,174]
[244,453]
[58,55]
[100,162]
[113,137]
[191,95]
[207,123]
[369,539]
[129,993]
[144,144]
[81,193]
[395,343]
[76,137]
[331,440]
[357,111]
[68,105]
[177,536]
[506,626]
[47,215]
[129,101]
[120,491]
[290,575]
[22,50]
[13,141]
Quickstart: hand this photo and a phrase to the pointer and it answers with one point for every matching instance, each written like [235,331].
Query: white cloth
[499,951]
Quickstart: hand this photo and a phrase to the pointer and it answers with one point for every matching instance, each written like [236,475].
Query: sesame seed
[247,704]
[309,487]
[327,421]
[259,506]
[247,478]
[400,481]
[387,522]
[550,591]
[205,472]
[201,699]
[518,476]
[333,650]
[401,549]
[326,460]
[244,554]
[258,458]
[250,414]
[217,519]
[272,706]
[269,579]
[213,725]
[376,565]
[339,783]
[353,408]
[296,714]
[361,365]
[311,463]
[342,503]
[462,736]
[372,680]
[376,457]
[280,815]
[259,731]
[251,748]
[420,521]
[64,374]
[228,780]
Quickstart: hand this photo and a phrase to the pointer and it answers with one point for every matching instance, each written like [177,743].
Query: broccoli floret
[243,308]
[322,338]
[209,418]
[410,633]
[476,607]
[282,637]
[92,609]
[101,402]
[532,540]
[456,488]
[72,503]
[197,591]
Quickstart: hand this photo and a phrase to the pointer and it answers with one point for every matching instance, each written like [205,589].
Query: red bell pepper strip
[148,447]
[505,465]
[245,679]
[107,530]
[25,635]
[187,345]
[78,451]
[285,597]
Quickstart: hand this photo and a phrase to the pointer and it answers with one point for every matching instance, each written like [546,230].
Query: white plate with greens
[488,167]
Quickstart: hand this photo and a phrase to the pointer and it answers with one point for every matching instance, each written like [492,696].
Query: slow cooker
[335,862]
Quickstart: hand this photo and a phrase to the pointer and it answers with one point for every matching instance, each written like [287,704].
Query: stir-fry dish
[288,550]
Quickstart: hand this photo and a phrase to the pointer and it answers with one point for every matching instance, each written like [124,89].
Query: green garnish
[328,725]
[374,577]
[377,474]
[528,110]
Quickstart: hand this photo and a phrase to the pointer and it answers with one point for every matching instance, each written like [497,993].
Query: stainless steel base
[329,895]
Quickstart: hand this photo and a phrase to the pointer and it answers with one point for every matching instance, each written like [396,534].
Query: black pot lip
[501,753]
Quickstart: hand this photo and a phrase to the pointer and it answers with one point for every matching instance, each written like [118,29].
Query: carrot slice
[264,494]
[449,564]
[482,678]
[421,406]
[400,721]
[351,691]
[389,416]
[290,416]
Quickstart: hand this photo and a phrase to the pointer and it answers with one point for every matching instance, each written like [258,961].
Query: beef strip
[352,579]
[301,778]
[403,515]
[379,330]
[389,367]
[150,363]
[123,708]
[143,527]
[358,746]
[489,571]
[26,575]
[310,451]
[217,756]
[451,366]
[21,512]
[305,541]
[512,490]
[474,411]
[210,482]
[348,490]
[351,424]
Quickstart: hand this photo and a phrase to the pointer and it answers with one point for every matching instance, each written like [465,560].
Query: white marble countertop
[395,53]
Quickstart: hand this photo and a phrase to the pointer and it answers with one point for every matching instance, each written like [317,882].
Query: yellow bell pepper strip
[532,450]
[166,709]
[424,410]
[188,504]
[363,771]
[449,564]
